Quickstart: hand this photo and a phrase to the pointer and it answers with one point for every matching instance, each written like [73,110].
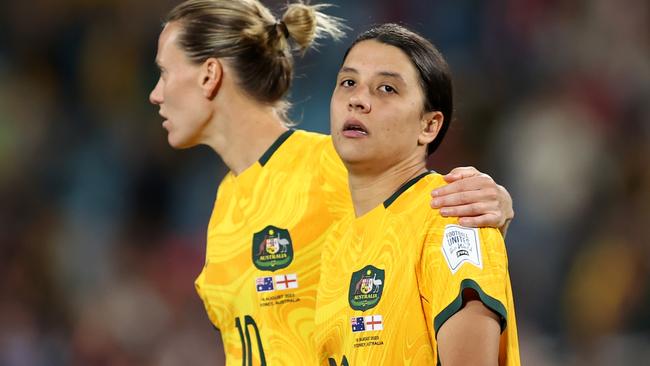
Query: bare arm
[475,198]
[470,337]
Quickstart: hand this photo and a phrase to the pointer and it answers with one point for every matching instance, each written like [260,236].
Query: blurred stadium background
[102,224]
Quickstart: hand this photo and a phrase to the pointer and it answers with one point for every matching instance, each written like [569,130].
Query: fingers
[461,173]
[471,210]
[474,197]
[505,202]
[464,192]
[477,182]
[487,220]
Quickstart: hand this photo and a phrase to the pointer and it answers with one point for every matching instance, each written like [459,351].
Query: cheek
[400,126]
[338,109]
[179,89]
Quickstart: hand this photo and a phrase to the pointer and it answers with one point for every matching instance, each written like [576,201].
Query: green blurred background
[102,224]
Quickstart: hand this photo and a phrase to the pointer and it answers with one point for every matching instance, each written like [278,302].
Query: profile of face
[179,92]
[377,109]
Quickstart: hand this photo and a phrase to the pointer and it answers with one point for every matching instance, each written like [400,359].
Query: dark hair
[435,78]
[255,44]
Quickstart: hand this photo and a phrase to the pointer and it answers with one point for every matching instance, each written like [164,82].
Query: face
[178,92]
[377,109]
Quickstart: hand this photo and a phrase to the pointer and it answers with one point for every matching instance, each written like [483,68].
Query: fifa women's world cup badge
[366,287]
[272,249]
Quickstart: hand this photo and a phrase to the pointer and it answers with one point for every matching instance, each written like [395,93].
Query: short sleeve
[457,258]
[200,286]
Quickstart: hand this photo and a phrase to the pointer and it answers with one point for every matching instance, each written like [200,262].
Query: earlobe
[211,76]
[430,126]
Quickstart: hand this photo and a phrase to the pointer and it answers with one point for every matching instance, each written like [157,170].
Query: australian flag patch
[358,324]
[264,284]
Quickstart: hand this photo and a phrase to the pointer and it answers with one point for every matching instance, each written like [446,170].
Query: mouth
[165,122]
[354,128]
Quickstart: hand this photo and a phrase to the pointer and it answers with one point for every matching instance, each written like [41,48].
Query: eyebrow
[381,73]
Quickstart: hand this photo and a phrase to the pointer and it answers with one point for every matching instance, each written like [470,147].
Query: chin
[352,157]
[351,149]
[178,143]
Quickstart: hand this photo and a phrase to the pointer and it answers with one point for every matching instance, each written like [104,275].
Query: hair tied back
[283,28]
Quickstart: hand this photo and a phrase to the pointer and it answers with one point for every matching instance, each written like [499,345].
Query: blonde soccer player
[225,69]
[401,284]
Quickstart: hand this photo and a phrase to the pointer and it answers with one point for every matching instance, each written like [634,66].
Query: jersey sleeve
[457,258]
[201,283]
[200,286]
[334,181]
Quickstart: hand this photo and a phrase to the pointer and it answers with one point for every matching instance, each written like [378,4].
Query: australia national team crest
[272,249]
[366,287]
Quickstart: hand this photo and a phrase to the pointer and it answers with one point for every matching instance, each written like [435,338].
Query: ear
[430,125]
[210,76]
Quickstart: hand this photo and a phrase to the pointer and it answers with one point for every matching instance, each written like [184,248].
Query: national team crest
[272,249]
[366,287]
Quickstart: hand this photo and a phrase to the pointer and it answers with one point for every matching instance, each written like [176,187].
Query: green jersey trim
[271,150]
[487,300]
[403,188]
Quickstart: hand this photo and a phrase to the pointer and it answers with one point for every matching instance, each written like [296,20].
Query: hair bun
[305,24]
[282,27]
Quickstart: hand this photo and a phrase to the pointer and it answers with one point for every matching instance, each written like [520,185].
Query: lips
[165,123]
[354,128]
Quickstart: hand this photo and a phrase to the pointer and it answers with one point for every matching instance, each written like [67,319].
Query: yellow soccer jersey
[264,244]
[392,277]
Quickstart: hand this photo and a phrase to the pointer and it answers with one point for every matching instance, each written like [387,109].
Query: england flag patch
[459,245]
[373,322]
[283,282]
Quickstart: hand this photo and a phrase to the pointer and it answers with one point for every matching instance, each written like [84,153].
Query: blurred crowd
[102,224]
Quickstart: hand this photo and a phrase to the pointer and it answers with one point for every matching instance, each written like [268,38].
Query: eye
[387,89]
[347,83]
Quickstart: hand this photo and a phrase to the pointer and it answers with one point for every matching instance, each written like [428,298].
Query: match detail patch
[459,245]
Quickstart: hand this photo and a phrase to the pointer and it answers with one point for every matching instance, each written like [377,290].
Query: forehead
[372,57]
[167,48]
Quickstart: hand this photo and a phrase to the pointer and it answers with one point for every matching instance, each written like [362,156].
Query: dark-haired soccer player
[400,284]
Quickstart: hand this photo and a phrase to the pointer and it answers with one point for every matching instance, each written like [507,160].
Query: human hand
[475,198]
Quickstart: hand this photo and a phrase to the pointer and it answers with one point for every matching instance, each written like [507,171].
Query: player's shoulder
[416,193]
[433,180]
[310,138]
[295,149]
[432,219]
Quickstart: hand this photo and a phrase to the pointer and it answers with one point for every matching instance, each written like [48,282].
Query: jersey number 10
[332,362]
[247,347]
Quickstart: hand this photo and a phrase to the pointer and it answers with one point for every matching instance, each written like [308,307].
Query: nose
[155,97]
[359,101]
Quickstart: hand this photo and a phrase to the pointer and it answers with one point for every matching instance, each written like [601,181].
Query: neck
[370,189]
[242,130]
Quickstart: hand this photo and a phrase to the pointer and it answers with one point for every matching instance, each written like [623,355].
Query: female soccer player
[226,67]
[400,284]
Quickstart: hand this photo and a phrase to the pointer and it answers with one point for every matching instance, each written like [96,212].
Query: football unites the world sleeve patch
[461,245]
